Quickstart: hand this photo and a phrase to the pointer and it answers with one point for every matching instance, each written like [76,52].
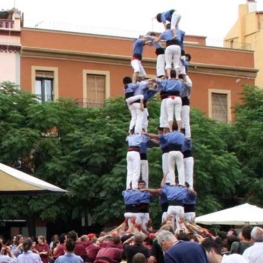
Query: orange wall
[123,47]
[70,75]
[70,80]
[202,83]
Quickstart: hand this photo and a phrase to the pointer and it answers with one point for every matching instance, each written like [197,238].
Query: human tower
[176,194]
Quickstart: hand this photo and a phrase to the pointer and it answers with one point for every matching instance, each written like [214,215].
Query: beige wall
[248,30]
[10,67]
[259,58]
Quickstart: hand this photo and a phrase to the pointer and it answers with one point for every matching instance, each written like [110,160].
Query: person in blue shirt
[136,61]
[129,89]
[172,16]
[173,88]
[159,51]
[144,158]
[164,146]
[145,199]
[133,159]
[177,251]
[69,256]
[188,162]
[172,51]
[148,94]
[175,195]
[185,112]
[134,94]
[175,140]
[131,199]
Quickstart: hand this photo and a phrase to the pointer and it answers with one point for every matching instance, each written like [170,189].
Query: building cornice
[188,43]
[208,69]
[10,48]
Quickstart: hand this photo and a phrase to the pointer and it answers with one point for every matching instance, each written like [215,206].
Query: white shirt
[254,254]
[233,258]
[29,257]
[7,259]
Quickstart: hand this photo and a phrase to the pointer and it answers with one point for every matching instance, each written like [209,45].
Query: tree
[246,140]
[87,156]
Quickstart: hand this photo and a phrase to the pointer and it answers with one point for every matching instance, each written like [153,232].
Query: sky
[210,18]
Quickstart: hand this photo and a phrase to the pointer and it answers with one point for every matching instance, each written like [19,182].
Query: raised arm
[152,135]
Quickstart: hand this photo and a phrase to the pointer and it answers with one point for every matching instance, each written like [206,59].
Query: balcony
[6,24]
[85,103]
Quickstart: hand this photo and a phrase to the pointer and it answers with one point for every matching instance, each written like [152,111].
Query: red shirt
[59,251]
[43,248]
[110,252]
[80,249]
[92,251]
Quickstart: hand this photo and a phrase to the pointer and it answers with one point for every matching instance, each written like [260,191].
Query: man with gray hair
[180,251]
[254,254]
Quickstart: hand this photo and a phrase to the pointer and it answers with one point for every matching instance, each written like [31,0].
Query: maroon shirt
[43,248]
[92,251]
[80,249]
[59,250]
[110,252]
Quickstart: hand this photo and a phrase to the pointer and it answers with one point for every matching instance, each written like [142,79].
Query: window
[96,86]
[44,85]
[219,107]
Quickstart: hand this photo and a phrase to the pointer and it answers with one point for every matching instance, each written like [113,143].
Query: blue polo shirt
[167,16]
[145,198]
[174,193]
[171,85]
[190,199]
[138,45]
[131,197]
[135,140]
[167,35]
[187,145]
[174,137]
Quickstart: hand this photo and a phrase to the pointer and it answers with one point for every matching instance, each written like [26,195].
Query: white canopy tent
[238,215]
[15,182]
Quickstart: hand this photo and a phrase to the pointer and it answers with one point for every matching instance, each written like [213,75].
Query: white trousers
[164,216]
[185,115]
[134,98]
[176,17]
[160,65]
[129,215]
[172,55]
[145,119]
[189,171]
[145,171]
[176,157]
[176,212]
[133,169]
[165,167]
[163,114]
[174,107]
[189,217]
[143,219]
[138,68]
[136,117]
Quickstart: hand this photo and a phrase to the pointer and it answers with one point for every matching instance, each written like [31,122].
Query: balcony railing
[6,23]
[237,45]
[89,103]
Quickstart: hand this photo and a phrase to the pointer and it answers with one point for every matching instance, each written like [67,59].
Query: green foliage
[246,140]
[88,156]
